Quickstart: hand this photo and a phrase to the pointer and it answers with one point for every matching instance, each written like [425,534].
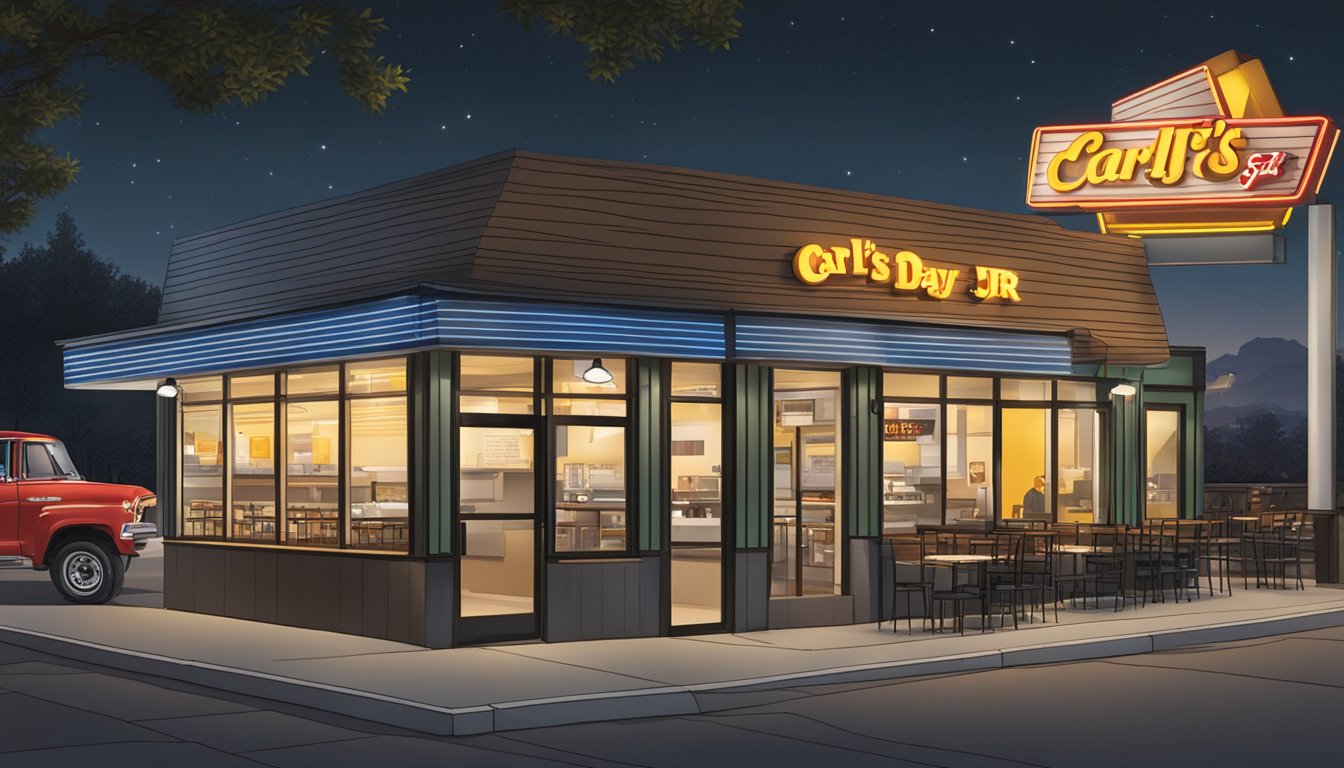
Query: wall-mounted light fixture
[169,389]
[597,374]
[1124,390]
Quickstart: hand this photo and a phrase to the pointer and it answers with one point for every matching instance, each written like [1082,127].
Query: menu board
[502,451]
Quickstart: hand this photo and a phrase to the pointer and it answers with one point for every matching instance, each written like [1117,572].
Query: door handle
[462,538]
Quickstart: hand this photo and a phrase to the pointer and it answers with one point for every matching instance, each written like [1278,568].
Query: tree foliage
[211,53]
[208,53]
[617,33]
[62,290]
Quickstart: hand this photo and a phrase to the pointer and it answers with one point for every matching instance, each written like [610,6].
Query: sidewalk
[477,690]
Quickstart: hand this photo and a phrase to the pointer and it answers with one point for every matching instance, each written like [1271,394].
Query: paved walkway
[1178,706]
[476,690]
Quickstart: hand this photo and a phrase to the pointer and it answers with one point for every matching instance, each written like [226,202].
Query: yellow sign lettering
[813,264]
[995,283]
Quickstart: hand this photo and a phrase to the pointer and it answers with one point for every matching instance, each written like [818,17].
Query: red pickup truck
[85,533]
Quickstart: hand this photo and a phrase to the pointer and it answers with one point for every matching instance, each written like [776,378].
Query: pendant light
[597,374]
[169,389]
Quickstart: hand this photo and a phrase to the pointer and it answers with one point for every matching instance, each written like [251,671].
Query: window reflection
[375,377]
[696,449]
[912,486]
[590,488]
[1163,476]
[1025,463]
[805,556]
[253,481]
[970,462]
[312,488]
[379,494]
[489,384]
[1080,438]
[202,472]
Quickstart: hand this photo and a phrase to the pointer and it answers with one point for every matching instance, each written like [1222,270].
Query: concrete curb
[662,701]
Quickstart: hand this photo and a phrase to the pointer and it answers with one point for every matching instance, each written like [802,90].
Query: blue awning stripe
[760,337]
[418,322]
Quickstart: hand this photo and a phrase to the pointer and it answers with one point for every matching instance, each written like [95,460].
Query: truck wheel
[85,572]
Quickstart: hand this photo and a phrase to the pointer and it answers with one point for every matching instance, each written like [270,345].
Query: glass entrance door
[499,534]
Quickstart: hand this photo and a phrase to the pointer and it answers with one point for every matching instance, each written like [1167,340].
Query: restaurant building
[544,397]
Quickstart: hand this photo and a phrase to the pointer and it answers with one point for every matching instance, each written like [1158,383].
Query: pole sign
[1208,150]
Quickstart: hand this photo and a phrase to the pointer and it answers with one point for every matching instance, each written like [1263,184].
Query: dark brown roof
[530,225]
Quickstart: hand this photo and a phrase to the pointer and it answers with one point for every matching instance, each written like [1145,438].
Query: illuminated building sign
[906,430]
[1208,150]
[813,264]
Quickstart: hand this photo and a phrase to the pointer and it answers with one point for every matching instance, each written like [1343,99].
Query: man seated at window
[1033,502]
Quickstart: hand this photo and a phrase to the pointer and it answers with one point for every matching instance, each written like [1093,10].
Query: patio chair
[1022,586]
[923,585]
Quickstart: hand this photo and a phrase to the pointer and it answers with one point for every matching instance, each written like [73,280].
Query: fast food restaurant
[541,397]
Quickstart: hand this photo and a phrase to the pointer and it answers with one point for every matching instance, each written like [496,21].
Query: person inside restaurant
[1033,501]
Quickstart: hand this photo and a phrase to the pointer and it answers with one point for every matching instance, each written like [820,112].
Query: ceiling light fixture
[169,389]
[597,374]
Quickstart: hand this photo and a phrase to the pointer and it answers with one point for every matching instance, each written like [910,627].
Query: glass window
[1163,476]
[252,386]
[1024,389]
[252,495]
[375,377]
[697,512]
[1080,441]
[4,460]
[202,472]
[1077,391]
[970,462]
[38,463]
[568,378]
[590,488]
[912,478]
[576,407]
[696,380]
[379,495]
[965,388]
[805,558]
[313,381]
[487,384]
[202,389]
[1025,464]
[909,385]
[312,458]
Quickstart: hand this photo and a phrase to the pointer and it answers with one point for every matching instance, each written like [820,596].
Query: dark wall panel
[376,597]
[593,599]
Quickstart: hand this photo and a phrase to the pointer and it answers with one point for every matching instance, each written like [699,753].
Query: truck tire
[86,572]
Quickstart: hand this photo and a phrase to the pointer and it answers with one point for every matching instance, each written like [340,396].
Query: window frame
[552,421]
[727,513]
[1052,405]
[1181,437]
[280,434]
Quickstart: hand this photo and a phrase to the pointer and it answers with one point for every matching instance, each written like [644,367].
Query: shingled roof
[540,226]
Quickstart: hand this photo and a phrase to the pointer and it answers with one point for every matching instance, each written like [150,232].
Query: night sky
[935,101]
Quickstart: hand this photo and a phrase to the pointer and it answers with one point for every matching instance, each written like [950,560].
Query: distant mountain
[1268,375]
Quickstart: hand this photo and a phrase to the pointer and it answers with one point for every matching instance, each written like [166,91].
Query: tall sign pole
[1321,346]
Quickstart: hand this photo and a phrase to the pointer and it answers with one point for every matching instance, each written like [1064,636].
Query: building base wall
[603,599]
[407,601]
[865,578]
[751,596]
[811,611]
